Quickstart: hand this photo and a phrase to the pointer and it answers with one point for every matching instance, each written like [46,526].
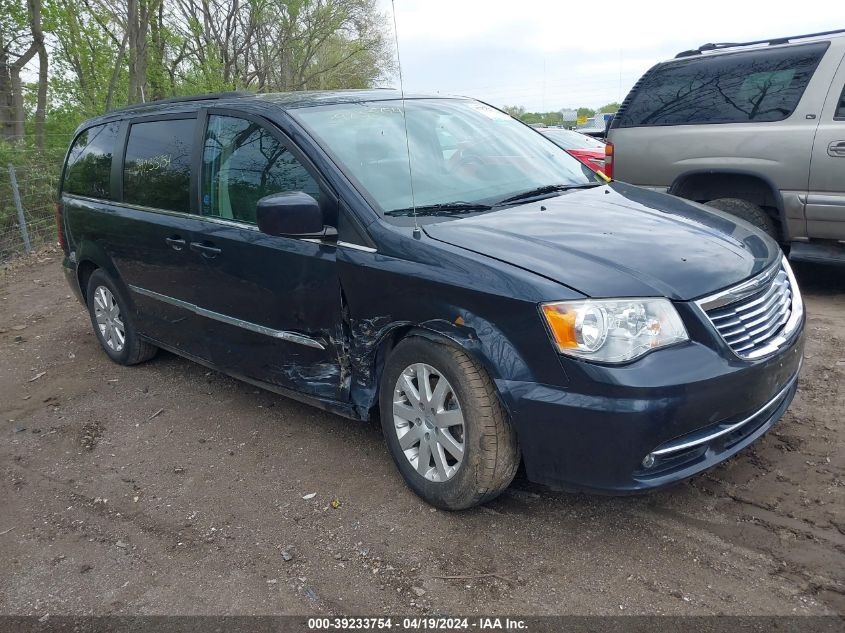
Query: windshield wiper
[545,190]
[444,208]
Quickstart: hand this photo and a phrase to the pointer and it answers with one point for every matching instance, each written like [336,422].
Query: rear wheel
[113,323]
[444,425]
[749,212]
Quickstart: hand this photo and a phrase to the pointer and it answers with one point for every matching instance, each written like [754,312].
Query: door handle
[837,148]
[175,242]
[205,249]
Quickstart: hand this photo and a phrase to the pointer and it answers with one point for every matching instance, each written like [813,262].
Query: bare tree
[6,110]
[12,112]
[112,51]
[41,48]
[287,44]
[138,15]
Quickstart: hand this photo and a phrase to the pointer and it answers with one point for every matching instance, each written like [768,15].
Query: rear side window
[840,109]
[157,168]
[760,85]
[88,170]
[241,163]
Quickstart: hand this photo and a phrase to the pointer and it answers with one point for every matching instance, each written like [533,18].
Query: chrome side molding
[293,337]
[357,247]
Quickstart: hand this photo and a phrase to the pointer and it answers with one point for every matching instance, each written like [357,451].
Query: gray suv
[754,129]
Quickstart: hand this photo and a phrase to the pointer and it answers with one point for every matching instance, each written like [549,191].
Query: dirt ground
[170,489]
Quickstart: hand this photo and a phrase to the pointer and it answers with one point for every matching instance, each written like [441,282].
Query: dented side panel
[286,285]
[418,285]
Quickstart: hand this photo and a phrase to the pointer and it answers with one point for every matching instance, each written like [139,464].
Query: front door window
[242,162]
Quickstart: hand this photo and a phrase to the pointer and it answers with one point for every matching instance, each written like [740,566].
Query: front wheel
[444,426]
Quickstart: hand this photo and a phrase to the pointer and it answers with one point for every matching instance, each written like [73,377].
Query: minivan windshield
[465,156]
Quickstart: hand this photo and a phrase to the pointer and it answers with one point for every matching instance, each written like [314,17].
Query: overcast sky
[551,54]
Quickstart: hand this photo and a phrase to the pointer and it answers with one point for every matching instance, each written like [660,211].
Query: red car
[587,149]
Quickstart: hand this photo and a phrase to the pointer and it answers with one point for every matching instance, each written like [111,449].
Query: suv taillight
[608,160]
[60,234]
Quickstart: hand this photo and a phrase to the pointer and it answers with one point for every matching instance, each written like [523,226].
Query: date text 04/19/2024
[417,624]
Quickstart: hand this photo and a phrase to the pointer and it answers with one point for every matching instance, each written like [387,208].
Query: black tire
[133,350]
[749,212]
[491,452]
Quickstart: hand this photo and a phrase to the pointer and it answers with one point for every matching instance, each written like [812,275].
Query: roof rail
[773,42]
[211,96]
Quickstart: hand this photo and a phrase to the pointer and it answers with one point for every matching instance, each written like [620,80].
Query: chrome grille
[753,317]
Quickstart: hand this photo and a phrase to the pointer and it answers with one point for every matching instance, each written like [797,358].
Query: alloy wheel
[429,422]
[108,318]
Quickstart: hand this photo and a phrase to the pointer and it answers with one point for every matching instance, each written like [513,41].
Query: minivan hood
[618,240]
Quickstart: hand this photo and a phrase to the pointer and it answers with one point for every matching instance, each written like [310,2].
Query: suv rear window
[88,171]
[759,85]
[157,168]
[840,109]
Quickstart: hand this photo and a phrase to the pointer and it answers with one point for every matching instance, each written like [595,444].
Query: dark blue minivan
[436,264]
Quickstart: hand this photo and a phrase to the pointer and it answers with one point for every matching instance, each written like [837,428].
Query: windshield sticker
[369,112]
[490,113]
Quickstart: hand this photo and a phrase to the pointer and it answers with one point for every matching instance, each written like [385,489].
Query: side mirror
[291,214]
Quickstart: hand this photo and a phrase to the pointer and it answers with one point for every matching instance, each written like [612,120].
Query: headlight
[613,330]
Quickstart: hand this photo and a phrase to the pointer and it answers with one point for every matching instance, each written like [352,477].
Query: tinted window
[763,85]
[89,162]
[241,163]
[840,109]
[157,171]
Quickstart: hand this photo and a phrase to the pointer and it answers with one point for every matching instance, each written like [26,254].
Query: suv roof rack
[773,42]
[211,96]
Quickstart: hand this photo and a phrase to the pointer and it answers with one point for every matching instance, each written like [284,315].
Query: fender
[677,186]
[91,252]
[372,339]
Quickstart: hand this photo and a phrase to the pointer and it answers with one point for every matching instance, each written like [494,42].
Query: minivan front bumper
[670,415]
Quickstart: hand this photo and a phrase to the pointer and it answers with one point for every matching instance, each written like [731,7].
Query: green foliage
[207,77]
[13,26]
[555,117]
[199,46]
[37,173]
[84,60]
[542,118]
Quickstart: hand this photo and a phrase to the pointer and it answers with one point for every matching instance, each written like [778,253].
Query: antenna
[405,122]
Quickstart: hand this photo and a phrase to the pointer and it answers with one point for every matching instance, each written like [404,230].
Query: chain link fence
[29,179]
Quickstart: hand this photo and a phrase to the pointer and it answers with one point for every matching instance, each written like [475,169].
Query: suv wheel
[444,425]
[113,323]
[749,212]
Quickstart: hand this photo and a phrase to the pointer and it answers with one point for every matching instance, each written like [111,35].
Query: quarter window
[761,85]
[241,163]
[88,170]
[157,168]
